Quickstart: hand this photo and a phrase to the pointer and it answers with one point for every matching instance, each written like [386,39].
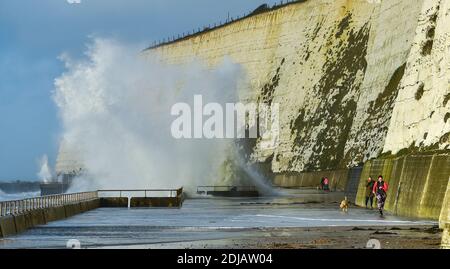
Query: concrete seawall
[418,184]
[21,215]
[114,202]
[338,179]
[444,221]
[156,202]
[14,224]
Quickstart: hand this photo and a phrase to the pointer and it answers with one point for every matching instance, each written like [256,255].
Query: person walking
[369,192]
[380,189]
[321,183]
[326,184]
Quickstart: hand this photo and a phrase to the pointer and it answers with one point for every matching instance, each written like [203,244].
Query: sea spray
[45,173]
[115,106]
[17,196]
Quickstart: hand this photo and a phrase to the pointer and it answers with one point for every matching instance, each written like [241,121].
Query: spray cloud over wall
[115,108]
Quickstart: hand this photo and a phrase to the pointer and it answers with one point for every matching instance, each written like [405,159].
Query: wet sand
[325,238]
[404,237]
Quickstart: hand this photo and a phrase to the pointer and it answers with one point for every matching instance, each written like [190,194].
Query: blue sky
[33,33]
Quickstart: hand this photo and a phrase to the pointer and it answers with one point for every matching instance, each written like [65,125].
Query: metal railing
[25,205]
[16,207]
[225,188]
[145,192]
[210,27]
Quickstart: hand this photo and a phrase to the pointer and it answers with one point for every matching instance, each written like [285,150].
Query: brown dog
[344,205]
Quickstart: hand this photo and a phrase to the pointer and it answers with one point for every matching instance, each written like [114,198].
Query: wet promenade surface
[298,219]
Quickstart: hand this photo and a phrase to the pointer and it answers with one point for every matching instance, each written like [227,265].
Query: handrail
[15,207]
[172,192]
[227,188]
[135,190]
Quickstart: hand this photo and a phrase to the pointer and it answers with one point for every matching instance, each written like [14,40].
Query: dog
[344,205]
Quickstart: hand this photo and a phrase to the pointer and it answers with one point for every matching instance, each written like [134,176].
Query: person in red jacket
[326,184]
[380,189]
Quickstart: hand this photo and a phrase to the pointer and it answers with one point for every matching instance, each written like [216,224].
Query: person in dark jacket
[321,183]
[380,189]
[369,192]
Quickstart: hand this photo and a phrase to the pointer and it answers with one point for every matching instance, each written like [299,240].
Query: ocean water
[17,196]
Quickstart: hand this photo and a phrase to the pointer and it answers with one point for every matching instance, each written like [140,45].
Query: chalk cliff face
[354,79]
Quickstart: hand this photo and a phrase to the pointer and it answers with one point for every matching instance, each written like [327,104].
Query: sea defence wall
[21,215]
[417,184]
[18,223]
[338,179]
[444,221]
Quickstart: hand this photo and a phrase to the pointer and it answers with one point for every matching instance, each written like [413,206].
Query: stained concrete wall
[14,224]
[444,221]
[114,202]
[155,202]
[417,184]
[7,226]
[338,179]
